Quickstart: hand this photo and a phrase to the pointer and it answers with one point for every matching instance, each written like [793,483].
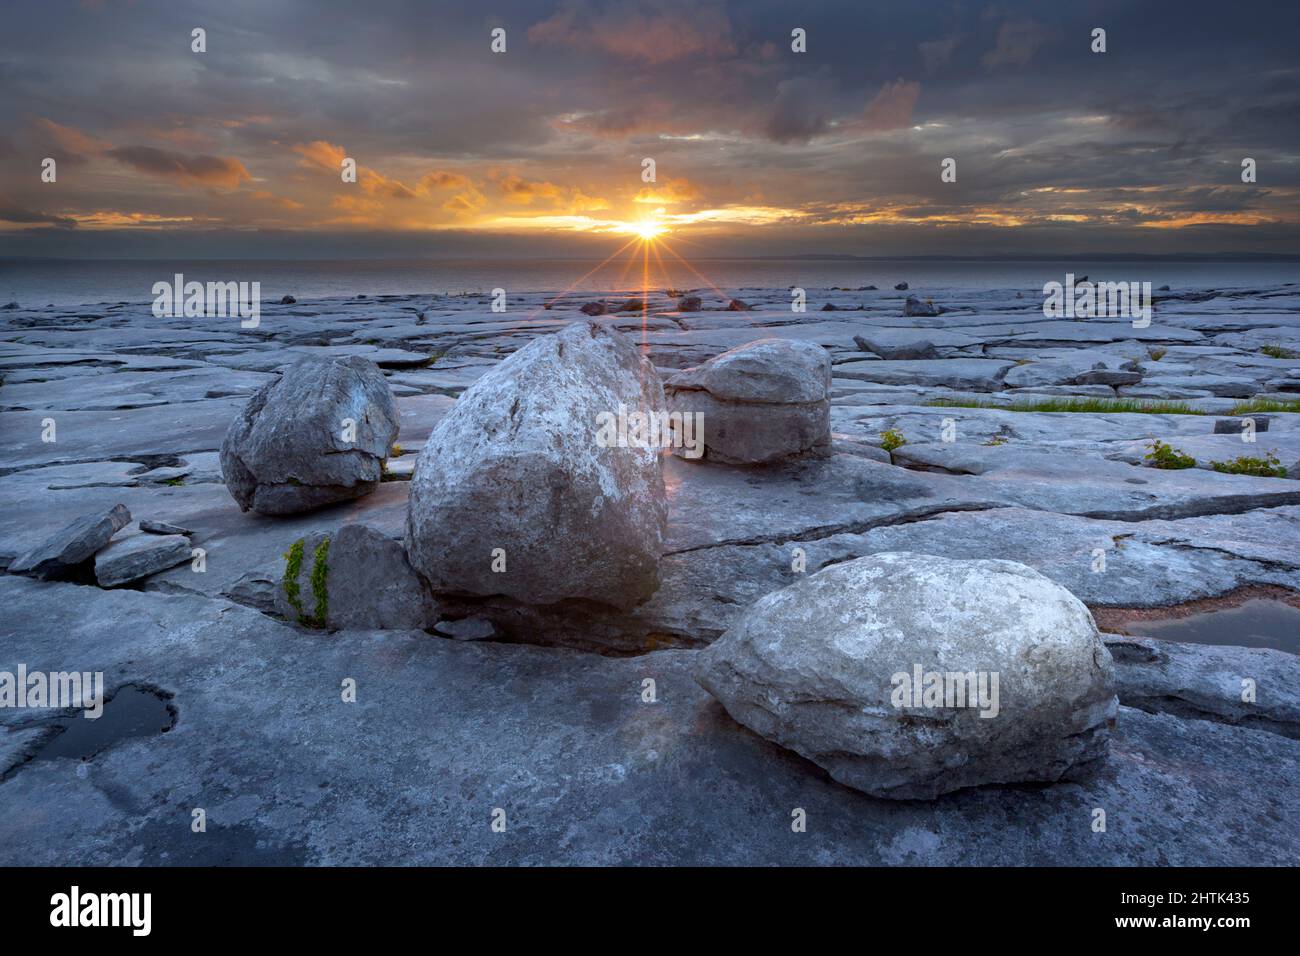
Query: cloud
[74,146]
[799,111]
[10,212]
[198,170]
[651,32]
[1018,41]
[518,189]
[892,107]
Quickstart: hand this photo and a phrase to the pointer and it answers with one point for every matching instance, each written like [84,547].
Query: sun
[646,229]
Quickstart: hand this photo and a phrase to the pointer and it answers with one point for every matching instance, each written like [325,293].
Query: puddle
[133,711]
[1258,622]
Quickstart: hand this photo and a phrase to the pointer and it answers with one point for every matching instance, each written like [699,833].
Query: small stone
[138,556]
[690,303]
[901,287]
[68,548]
[914,307]
[288,300]
[737,305]
[593,308]
[161,527]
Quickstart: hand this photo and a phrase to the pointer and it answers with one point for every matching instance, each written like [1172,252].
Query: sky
[539,150]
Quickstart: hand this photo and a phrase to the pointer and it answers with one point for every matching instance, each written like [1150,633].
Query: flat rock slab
[138,556]
[586,772]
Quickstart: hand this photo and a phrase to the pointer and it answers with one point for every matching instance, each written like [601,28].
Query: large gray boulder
[355,578]
[515,493]
[761,402]
[64,552]
[837,666]
[318,435]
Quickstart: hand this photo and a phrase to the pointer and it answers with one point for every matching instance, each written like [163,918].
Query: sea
[34,283]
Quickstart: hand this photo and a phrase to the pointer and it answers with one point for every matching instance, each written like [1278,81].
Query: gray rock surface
[819,667]
[586,772]
[915,307]
[1208,682]
[517,466]
[291,448]
[137,556]
[760,402]
[68,548]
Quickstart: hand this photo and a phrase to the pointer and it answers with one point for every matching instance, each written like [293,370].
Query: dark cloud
[199,170]
[12,213]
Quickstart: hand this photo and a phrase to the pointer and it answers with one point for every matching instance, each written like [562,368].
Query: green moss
[1267,467]
[889,440]
[396,451]
[1265,405]
[432,359]
[1094,405]
[1158,354]
[292,565]
[174,482]
[319,572]
[1165,456]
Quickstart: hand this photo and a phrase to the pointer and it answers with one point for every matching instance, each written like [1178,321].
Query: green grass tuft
[1267,467]
[1265,405]
[1094,405]
[292,565]
[1278,352]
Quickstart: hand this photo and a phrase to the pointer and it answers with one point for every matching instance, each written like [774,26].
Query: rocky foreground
[469,705]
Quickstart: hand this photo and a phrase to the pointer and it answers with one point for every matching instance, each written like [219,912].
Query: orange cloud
[198,170]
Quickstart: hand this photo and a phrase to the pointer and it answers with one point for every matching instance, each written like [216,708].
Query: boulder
[841,668]
[356,578]
[689,303]
[914,308]
[737,305]
[317,435]
[288,300]
[65,551]
[593,308]
[633,305]
[762,401]
[520,490]
[901,287]
[138,556]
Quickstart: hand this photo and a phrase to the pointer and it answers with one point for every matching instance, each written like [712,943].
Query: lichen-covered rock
[762,401]
[515,492]
[65,551]
[318,435]
[842,668]
[356,578]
